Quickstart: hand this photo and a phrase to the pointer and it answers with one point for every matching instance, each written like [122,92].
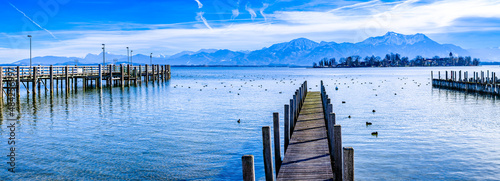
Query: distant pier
[312,142]
[481,82]
[52,78]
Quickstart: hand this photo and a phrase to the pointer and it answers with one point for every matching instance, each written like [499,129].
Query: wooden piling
[247,163]
[1,85]
[51,77]
[110,82]
[146,77]
[35,80]
[331,139]
[66,76]
[287,126]
[122,76]
[292,120]
[337,147]
[18,81]
[348,164]
[277,147]
[128,74]
[267,152]
[99,81]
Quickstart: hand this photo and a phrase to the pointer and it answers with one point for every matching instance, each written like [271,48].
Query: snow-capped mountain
[301,51]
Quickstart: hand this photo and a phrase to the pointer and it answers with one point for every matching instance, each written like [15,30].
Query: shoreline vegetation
[396,60]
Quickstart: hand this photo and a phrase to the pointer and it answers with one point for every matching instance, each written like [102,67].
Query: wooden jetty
[66,78]
[480,82]
[313,143]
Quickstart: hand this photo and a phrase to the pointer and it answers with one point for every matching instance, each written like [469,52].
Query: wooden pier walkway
[66,78]
[307,156]
[313,142]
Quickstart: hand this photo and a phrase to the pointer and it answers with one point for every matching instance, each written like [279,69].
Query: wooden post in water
[110,83]
[18,82]
[75,77]
[248,168]
[268,158]
[99,81]
[337,147]
[67,78]
[292,125]
[1,86]
[331,139]
[35,80]
[128,74]
[122,76]
[140,73]
[348,164]
[277,147]
[169,73]
[51,70]
[147,74]
[439,75]
[287,126]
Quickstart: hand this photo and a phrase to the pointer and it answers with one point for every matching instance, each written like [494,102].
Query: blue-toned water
[187,129]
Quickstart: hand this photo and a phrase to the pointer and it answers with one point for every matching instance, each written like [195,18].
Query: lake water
[186,129]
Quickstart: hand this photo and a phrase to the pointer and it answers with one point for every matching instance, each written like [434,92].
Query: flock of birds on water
[252,81]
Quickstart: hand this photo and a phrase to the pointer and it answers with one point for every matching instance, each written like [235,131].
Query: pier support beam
[267,152]
[35,80]
[51,70]
[287,126]
[337,152]
[277,150]
[18,82]
[348,164]
[247,164]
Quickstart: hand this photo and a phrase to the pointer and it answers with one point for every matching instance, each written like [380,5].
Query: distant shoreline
[290,66]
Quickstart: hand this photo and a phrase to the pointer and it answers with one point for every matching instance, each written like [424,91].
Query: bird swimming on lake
[368,123]
[239,120]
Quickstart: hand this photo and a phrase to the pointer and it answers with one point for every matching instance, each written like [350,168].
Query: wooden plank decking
[307,156]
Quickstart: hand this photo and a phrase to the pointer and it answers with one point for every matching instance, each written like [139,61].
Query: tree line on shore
[396,60]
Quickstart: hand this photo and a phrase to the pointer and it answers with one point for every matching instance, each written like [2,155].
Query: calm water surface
[186,129]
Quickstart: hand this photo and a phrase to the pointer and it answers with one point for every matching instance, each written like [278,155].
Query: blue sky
[78,27]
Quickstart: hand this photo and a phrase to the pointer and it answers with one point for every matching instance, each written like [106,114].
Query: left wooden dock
[66,78]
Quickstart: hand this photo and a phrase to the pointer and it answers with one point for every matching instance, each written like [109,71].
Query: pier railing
[479,82]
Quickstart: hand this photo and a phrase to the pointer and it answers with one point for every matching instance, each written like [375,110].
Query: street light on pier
[103,54]
[29,36]
[131,56]
[151,59]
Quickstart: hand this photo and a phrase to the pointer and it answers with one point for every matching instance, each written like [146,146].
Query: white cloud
[199,4]
[33,21]
[200,17]
[236,13]
[251,11]
[265,5]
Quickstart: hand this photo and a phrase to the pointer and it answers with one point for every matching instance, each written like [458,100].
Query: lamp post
[151,59]
[103,54]
[29,36]
[128,56]
[131,56]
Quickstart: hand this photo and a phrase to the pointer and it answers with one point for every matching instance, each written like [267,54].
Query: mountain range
[297,52]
